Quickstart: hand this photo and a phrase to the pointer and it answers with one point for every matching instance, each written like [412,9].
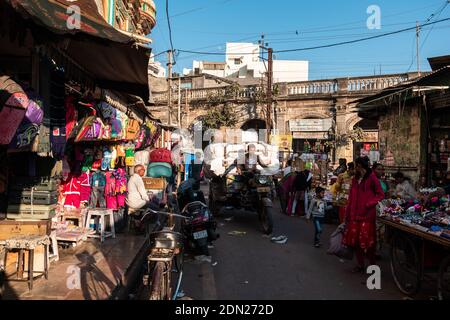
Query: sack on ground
[336,247]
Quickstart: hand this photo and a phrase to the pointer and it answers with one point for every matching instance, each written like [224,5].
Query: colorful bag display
[129,157]
[116,129]
[132,129]
[13,105]
[90,129]
[161,155]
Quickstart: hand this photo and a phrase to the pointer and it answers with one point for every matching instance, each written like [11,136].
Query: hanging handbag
[132,129]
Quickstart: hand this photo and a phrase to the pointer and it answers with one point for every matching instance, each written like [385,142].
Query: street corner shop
[414,138]
[73,104]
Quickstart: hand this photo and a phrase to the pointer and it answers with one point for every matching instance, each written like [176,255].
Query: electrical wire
[385,34]
[361,39]
[437,15]
[170,30]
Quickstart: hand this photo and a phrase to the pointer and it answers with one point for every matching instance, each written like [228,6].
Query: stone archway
[256,124]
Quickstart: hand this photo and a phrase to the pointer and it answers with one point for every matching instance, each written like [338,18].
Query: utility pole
[179,102]
[169,82]
[269,91]
[417,46]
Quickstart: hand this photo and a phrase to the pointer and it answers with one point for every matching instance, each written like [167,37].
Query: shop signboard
[310,125]
[283,141]
[310,135]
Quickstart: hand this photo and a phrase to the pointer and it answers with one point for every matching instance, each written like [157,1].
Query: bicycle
[165,261]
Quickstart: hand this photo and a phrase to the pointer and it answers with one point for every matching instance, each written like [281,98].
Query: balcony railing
[355,85]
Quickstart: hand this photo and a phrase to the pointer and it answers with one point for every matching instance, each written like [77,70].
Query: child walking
[316,210]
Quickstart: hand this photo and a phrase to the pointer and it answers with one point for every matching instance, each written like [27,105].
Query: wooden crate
[14,228]
[154,183]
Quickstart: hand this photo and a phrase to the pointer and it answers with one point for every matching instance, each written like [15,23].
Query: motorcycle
[200,227]
[249,191]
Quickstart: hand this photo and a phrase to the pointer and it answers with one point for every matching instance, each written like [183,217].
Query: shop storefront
[309,137]
[74,122]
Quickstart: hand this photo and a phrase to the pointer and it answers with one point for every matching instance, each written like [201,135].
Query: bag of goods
[13,105]
[161,155]
[159,169]
[132,129]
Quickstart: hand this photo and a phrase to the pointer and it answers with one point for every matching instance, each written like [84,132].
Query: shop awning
[112,59]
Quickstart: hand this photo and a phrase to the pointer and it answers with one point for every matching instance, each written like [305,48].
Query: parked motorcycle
[249,191]
[200,228]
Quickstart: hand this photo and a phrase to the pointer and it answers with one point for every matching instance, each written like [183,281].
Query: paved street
[250,266]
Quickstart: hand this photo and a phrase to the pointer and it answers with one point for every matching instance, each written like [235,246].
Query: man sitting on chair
[137,197]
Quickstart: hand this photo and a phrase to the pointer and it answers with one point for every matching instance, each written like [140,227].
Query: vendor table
[414,254]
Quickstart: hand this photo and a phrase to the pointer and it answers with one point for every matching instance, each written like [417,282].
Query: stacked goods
[430,212]
[160,164]
[32,199]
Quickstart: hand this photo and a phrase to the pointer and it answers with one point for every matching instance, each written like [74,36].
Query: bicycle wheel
[444,280]
[157,284]
[405,264]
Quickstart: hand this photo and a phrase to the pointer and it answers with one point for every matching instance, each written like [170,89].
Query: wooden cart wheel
[444,280]
[405,264]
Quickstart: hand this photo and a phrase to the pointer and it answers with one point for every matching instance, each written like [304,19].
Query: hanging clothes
[71,114]
[121,186]
[85,187]
[110,191]
[72,192]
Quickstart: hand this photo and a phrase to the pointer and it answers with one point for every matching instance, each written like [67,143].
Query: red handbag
[161,155]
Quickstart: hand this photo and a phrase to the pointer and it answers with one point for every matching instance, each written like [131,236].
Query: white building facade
[242,60]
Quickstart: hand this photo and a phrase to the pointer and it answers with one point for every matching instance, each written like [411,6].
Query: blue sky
[206,25]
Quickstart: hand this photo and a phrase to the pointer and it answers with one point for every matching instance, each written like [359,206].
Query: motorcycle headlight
[262,179]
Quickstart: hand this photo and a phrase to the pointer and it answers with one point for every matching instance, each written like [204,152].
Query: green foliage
[220,116]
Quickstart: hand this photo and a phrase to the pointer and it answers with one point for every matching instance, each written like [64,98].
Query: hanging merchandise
[106,110]
[121,186]
[97,164]
[71,115]
[120,148]
[106,160]
[142,157]
[85,188]
[132,129]
[113,151]
[72,188]
[161,155]
[98,183]
[106,132]
[13,106]
[129,157]
[58,141]
[123,119]
[88,159]
[90,129]
[116,129]
[110,191]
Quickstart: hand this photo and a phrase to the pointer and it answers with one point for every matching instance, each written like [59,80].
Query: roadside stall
[419,234]
[73,105]
[413,140]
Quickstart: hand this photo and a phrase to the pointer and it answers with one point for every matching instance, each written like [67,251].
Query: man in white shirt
[137,197]
[404,188]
